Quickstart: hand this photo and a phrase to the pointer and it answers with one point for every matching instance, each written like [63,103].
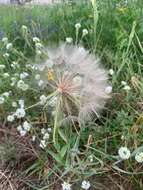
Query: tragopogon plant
[77,83]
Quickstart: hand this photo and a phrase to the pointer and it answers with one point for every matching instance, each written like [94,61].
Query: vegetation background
[116,36]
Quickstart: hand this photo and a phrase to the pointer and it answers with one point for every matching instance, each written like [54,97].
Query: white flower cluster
[108,89]
[5,40]
[6,75]
[85,185]
[23,129]
[6,55]
[77,25]
[125,154]
[4,96]
[22,85]
[91,158]
[66,186]
[13,81]
[84,31]
[14,65]
[24,27]
[45,138]
[10,118]
[43,99]
[139,157]
[40,83]
[69,40]
[123,83]
[23,75]
[125,86]
[38,45]
[20,112]
[8,45]
[24,30]
[111,72]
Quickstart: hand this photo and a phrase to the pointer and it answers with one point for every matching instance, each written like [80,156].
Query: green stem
[56,121]
[95,17]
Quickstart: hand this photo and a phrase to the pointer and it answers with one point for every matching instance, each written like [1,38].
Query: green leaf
[57,147]
[62,135]
[56,157]
[64,150]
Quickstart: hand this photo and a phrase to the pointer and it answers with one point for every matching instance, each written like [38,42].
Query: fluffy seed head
[78,79]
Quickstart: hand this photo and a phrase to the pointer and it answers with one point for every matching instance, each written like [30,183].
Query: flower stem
[56,119]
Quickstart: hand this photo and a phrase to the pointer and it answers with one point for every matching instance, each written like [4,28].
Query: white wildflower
[21,103]
[46,136]
[108,89]
[10,118]
[19,128]
[6,55]
[85,185]
[26,126]
[43,144]
[49,130]
[66,186]
[2,100]
[84,32]
[15,64]
[6,94]
[5,40]
[22,132]
[122,137]
[24,75]
[20,113]
[69,40]
[33,138]
[9,46]
[21,84]
[78,25]
[37,77]
[43,99]
[6,75]
[38,46]
[13,79]
[40,83]
[24,28]
[36,39]
[14,104]
[111,72]
[127,87]
[91,158]
[124,153]
[43,131]
[139,157]
[124,83]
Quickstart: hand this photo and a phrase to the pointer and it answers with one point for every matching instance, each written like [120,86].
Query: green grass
[117,40]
